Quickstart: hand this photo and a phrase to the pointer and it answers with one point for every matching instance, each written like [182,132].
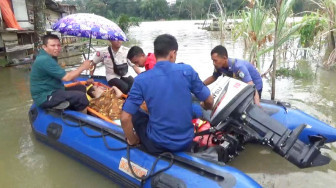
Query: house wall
[1,43]
[51,18]
[21,14]
[69,9]
[17,46]
[1,21]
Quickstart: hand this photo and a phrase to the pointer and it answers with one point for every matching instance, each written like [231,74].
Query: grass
[301,71]
[3,62]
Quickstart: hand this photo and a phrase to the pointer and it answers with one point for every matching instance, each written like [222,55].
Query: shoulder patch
[187,73]
[241,74]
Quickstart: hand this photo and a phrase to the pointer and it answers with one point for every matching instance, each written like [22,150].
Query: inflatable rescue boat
[235,121]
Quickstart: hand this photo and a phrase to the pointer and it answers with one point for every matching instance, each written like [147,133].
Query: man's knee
[83,99]
[78,87]
[79,101]
[120,84]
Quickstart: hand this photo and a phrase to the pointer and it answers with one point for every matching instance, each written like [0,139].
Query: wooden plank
[11,43]
[19,47]
[9,36]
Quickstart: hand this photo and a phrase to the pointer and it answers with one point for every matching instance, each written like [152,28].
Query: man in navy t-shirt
[235,68]
[166,89]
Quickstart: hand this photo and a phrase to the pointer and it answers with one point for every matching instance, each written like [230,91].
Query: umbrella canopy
[89,26]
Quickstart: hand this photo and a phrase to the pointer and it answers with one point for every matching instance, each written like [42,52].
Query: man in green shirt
[46,78]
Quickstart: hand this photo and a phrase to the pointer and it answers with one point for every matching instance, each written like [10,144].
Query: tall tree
[155,9]
[328,7]
[39,22]
[192,9]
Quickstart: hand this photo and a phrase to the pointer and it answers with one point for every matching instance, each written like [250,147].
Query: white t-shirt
[120,57]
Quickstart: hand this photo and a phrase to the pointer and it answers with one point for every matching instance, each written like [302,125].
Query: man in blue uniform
[235,68]
[166,89]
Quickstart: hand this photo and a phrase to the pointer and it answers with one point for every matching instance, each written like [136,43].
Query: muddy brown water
[25,162]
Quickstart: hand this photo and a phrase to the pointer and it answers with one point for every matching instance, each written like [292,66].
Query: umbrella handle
[84,55]
[89,45]
[92,66]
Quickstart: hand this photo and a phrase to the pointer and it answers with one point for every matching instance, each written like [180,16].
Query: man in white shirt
[123,82]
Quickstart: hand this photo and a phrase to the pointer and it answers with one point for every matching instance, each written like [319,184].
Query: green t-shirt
[45,77]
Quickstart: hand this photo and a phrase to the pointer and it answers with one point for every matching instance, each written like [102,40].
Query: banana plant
[256,29]
[282,33]
[328,10]
[259,30]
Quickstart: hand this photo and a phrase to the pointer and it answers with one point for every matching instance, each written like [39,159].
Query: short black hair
[134,51]
[163,44]
[220,50]
[46,37]
[90,92]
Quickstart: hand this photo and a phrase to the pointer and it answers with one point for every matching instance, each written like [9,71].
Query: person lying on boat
[114,58]
[96,91]
[46,78]
[166,89]
[137,57]
[236,68]
[107,101]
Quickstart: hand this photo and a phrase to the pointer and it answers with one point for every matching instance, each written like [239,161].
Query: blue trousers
[140,121]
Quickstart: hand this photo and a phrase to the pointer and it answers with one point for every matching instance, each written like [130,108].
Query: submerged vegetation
[302,70]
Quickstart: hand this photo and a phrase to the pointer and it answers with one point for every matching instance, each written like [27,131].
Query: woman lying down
[107,101]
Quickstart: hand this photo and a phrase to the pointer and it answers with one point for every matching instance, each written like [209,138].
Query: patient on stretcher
[107,101]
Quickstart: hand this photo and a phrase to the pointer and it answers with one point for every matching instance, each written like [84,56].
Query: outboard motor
[234,111]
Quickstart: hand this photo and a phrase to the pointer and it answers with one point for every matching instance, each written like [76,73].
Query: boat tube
[292,118]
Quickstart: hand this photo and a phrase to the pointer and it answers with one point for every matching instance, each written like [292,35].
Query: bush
[125,22]
[302,70]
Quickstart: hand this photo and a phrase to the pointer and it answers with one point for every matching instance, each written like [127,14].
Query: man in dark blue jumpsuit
[166,89]
[235,68]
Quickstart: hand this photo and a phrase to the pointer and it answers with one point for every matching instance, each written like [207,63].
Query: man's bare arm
[208,103]
[136,69]
[256,95]
[75,73]
[209,80]
[127,126]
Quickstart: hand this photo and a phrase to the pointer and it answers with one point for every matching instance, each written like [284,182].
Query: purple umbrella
[89,26]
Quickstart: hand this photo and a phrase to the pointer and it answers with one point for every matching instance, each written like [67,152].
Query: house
[17,39]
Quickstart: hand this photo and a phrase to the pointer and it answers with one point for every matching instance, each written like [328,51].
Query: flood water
[25,162]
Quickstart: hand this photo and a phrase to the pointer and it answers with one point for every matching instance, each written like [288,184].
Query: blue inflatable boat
[101,145]
[234,121]
[292,118]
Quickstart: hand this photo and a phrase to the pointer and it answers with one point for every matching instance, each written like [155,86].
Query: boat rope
[150,174]
[68,124]
[108,147]
[103,134]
